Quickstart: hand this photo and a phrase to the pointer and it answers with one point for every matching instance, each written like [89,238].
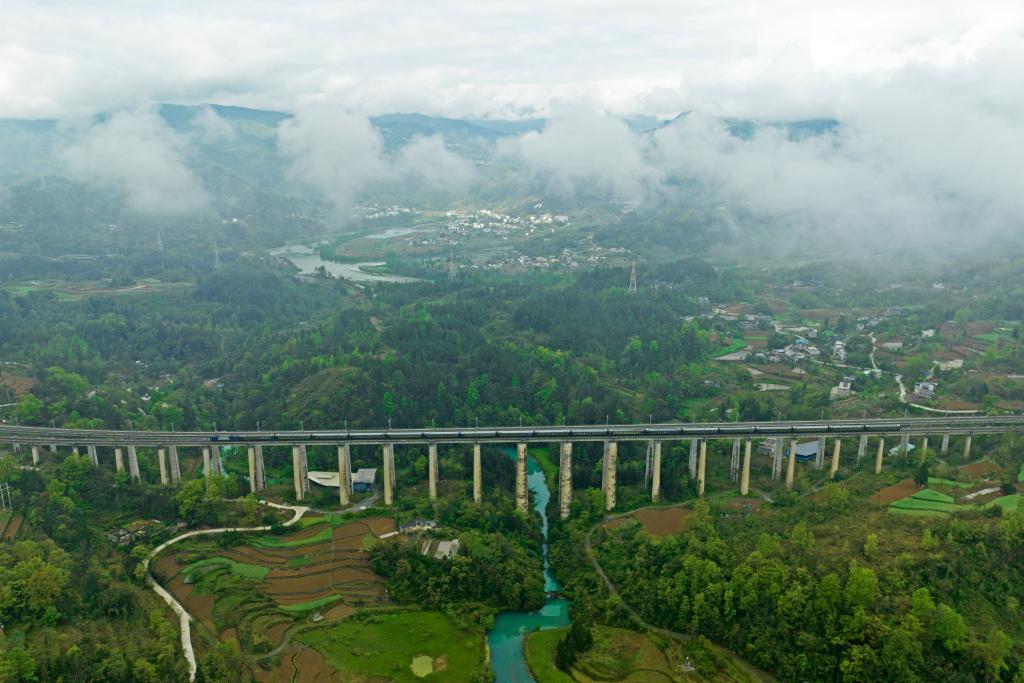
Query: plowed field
[904,489]
[664,521]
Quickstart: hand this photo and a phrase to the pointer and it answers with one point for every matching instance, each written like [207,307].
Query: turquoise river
[510,628]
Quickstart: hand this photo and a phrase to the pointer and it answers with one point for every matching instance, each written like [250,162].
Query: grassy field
[1009,503]
[621,655]
[311,604]
[239,569]
[386,645]
[540,656]
[618,655]
[275,542]
[918,504]
[933,495]
[949,482]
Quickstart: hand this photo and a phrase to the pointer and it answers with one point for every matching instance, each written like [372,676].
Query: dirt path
[751,670]
[183,616]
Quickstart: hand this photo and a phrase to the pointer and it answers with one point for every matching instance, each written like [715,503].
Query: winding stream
[507,637]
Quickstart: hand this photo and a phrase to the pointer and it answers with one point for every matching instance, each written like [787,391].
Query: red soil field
[665,521]
[200,606]
[12,528]
[984,469]
[904,489]
[276,632]
[312,667]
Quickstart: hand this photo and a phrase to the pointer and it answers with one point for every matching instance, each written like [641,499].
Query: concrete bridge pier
[432,470]
[734,463]
[745,475]
[161,454]
[219,470]
[648,463]
[791,466]
[478,476]
[389,473]
[604,468]
[522,494]
[835,459]
[777,454]
[207,472]
[611,457]
[53,448]
[945,443]
[693,458]
[565,479]
[924,446]
[175,466]
[93,457]
[656,471]
[819,459]
[296,472]
[74,451]
[133,464]
[118,460]
[394,474]
[880,455]
[261,478]
[251,453]
[35,455]
[905,445]
[344,475]
[16,447]
[967,447]
[862,446]
[304,463]
[702,463]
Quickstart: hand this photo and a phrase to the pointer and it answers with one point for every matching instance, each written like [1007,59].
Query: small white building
[842,390]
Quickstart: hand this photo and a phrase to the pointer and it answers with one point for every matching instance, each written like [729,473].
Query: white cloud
[334,151]
[134,152]
[426,161]
[780,58]
[928,157]
[211,127]
[583,148]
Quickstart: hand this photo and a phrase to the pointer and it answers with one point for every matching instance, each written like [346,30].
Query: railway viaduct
[782,438]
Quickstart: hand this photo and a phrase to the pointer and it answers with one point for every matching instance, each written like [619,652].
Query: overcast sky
[765,58]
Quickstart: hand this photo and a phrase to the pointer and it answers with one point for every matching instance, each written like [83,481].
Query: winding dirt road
[183,616]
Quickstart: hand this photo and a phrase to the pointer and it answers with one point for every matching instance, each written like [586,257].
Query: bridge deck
[628,432]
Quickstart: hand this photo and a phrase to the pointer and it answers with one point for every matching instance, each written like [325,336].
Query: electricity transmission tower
[632,277]
[5,490]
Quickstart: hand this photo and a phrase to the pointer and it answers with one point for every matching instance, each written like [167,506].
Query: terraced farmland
[924,503]
[258,590]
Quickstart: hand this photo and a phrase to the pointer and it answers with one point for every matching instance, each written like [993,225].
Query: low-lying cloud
[341,154]
[585,149]
[927,157]
[135,153]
